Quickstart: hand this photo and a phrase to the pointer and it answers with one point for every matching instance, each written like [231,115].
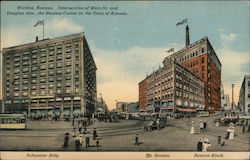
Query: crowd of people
[80,134]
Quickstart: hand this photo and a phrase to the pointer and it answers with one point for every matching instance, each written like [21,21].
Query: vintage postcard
[124,80]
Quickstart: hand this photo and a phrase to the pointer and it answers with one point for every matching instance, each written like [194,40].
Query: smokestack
[36,38]
[187,36]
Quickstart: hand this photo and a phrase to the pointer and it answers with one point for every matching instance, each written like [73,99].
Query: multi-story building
[200,59]
[225,102]
[244,97]
[51,74]
[173,89]
[1,76]
[142,95]
[127,107]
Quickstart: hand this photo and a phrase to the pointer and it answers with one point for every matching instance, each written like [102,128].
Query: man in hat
[66,140]
[199,145]
[94,134]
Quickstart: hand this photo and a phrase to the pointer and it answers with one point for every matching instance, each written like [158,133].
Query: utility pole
[232,97]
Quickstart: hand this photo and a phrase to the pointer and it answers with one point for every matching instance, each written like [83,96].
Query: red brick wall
[143,95]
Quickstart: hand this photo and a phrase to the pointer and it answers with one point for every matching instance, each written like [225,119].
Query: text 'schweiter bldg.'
[50,74]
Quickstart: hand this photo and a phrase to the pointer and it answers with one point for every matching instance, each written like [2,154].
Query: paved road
[119,136]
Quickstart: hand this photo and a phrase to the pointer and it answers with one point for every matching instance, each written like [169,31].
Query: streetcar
[12,121]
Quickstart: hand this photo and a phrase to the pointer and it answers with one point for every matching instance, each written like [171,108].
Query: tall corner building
[196,60]
[200,59]
[50,74]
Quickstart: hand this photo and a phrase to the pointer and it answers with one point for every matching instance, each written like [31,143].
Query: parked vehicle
[155,124]
[228,120]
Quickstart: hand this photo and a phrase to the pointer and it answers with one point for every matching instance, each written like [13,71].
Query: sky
[127,47]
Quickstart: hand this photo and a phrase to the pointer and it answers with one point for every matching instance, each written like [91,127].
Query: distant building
[101,105]
[56,74]
[225,102]
[127,107]
[244,97]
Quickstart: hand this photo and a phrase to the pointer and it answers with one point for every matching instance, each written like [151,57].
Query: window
[202,60]
[202,50]
[202,68]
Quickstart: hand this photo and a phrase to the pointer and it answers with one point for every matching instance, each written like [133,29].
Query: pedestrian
[73,133]
[158,124]
[73,121]
[205,125]
[94,134]
[87,142]
[85,130]
[97,143]
[136,139]
[248,130]
[219,140]
[192,128]
[199,145]
[231,131]
[201,126]
[77,144]
[78,123]
[66,140]
[205,145]
[243,129]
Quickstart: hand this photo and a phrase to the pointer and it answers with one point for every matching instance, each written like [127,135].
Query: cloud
[119,72]
[228,37]
[64,25]
[26,34]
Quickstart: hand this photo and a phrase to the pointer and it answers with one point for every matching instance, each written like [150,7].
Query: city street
[120,136]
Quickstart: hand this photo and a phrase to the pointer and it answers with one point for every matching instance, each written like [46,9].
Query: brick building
[200,59]
[173,89]
[142,95]
[56,74]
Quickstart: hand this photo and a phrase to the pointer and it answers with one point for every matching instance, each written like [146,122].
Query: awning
[186,110]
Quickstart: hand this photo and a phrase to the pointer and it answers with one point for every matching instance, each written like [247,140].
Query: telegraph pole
[232,97]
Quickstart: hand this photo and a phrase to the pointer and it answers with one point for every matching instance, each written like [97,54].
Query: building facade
[1,77]
[244,97]
[173,89]
[142,95]
[56,74]
[200,59]
[225,102]
[127,107]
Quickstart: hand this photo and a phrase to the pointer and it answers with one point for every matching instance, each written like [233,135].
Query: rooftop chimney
[36,38]
[187,36]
